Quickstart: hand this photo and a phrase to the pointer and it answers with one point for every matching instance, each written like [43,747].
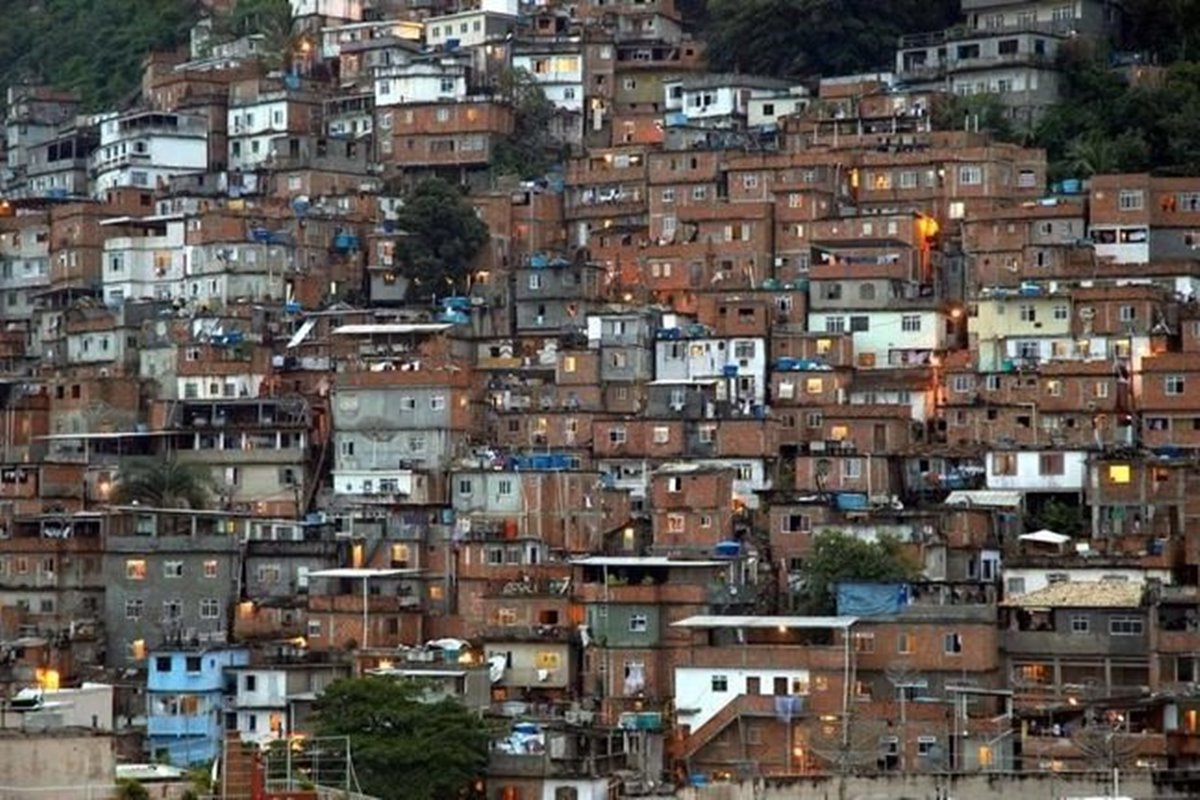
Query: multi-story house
[144,149]
[186,690]
[170,575]
[1007,48]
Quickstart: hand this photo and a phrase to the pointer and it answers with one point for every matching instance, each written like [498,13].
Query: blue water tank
[728,549]
[1072,186]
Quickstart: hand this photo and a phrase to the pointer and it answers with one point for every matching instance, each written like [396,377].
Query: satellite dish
[300,205]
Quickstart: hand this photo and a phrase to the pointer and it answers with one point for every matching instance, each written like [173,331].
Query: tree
[795,38]
[837,556]
[530,150]
[271,19]
[404,748]
[129,789]
[982,112]
[94,47]
[443,235]
[164,483]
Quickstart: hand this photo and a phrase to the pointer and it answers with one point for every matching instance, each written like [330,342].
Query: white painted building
[740,364]
[253,125]
[558,73]
[701,692]
[262,704]
[468,28]
[767,106]
[887,338]
[715,99]
[1037,470]
[145,148]
[1123,244]
[215,387]
[369,482]
[432,81]
[150,265]
[1023,580]
[348,10]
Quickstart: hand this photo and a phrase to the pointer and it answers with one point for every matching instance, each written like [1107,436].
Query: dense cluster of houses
[581,495]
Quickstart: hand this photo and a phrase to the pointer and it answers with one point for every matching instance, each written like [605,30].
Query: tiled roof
[1081,594]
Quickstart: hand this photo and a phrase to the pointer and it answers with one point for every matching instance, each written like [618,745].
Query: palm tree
[1093,154]
[164,483]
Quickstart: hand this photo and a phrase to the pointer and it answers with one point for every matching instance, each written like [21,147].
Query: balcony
[203,725]
[1058,643]
[527,633]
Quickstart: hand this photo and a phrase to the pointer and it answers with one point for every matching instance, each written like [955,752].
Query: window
[638,623]
[504,488]
[1173,385]
[962,384]
[1131,199]
[1004,463]
[210,608]
[1080,623]
[616,436]
[864,643]
[162,664]
[134,609]
[1119,473]
[135,570]
[903,644]
[465,486]
[852,468]
[668,195]
[193,663]
[675,523]
[1028,313]
[1125,626]
[970,175]
[926,745]
[1051,464]
[172,569]
[952,644]
[437,402]
[720,683]
[910,323]
[172,609]
[835,324]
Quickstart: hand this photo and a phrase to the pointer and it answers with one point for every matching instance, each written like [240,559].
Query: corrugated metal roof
[1082,594]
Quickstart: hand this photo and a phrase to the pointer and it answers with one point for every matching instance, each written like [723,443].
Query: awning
[1045,536]
[984,498]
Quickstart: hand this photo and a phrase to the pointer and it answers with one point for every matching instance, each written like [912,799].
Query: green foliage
[272,19]
[443,234]
[129,789]
[530,150]
[1168,30]
[163,483]
[94,47]
[404,748]
[983,112]
[836,556]
[1057,516]
[1105,125]
[796,38]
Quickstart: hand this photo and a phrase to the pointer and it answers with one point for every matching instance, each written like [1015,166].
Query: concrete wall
[1035,786]
[59,765]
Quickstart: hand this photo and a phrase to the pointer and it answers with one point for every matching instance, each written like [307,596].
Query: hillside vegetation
[92,46]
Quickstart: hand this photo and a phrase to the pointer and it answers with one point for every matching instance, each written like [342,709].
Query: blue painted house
[186,689]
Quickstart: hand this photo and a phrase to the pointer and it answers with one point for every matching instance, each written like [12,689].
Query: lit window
[135,570]
[662,434]
[814,385]
[1119,473]
[569,364]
